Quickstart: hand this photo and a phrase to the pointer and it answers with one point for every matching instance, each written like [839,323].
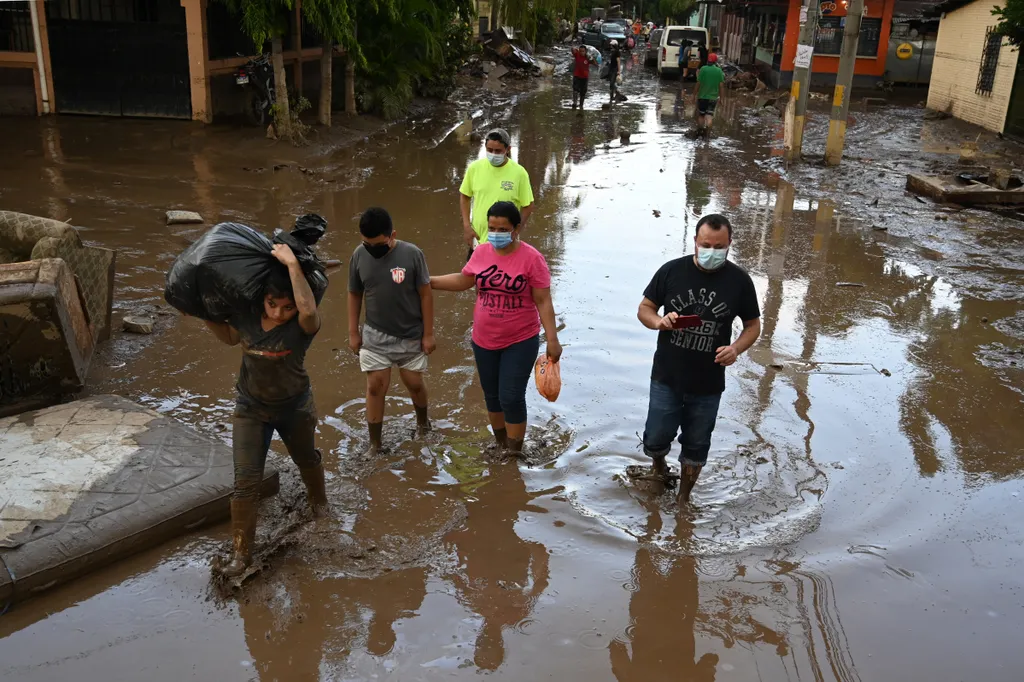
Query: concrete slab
[951,189]
[89,482]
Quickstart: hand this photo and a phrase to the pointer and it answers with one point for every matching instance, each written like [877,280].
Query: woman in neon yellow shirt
[489,180]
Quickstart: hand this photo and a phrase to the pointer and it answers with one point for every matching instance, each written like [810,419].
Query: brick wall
[958,55]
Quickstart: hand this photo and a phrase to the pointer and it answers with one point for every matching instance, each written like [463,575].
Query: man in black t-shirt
[700,296]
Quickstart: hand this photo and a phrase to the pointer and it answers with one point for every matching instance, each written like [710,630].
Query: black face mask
[377,250]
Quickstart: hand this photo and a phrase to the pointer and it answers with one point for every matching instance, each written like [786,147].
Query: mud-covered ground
[859,519]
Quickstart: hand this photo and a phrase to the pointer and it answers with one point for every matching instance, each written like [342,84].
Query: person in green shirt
[707,90]
[490,180]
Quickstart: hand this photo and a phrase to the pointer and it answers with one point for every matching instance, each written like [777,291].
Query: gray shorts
[383,351]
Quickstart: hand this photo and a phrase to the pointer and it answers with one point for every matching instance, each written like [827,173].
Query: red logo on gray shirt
[398,275]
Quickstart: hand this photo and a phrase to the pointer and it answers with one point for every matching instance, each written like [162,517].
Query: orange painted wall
[865,66]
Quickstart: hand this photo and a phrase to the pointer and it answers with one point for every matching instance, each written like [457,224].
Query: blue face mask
[499,240]
[711,259]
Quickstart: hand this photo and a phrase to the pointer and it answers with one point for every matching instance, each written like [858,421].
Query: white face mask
[496,159]
[711,259]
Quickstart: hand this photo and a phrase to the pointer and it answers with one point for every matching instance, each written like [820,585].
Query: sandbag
[548,377]
[226,269]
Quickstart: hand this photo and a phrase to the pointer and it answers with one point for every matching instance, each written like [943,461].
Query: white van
[671,40]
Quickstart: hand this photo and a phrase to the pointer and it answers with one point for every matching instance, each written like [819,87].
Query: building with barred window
[977,75]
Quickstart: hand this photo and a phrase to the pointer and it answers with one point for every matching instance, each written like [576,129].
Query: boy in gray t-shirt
[399,329]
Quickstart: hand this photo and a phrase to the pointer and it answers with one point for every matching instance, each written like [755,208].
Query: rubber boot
[243,535]
[515,447]
[687,479]
[375,436]
[501,438]
[316,488]
[422,423]
[574,100]
[660,466]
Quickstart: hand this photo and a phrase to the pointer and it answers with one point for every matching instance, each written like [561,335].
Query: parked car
[624,23]
[653,47]
[672,38]
[604,35]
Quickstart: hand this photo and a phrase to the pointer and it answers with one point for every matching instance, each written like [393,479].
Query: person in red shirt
[580,74]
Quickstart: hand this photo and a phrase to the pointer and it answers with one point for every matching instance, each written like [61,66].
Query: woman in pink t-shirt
[513,300]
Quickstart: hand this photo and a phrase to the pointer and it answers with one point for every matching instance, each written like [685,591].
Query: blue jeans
[691,415]
[504,374]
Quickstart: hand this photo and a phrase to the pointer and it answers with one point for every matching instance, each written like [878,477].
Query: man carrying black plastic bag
[275,329]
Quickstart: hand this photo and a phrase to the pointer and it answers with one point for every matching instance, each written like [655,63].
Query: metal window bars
[989,61]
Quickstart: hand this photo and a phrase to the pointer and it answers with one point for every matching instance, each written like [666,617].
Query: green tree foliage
[410,47]
[1011,21]
[677,10]
[335,20]
[261,20]
[534,16]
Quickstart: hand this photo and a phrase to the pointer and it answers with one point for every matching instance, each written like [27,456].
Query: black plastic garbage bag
[309,228]
[226,270]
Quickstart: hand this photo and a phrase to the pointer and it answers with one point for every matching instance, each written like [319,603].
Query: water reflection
[663,608]
[501,575]
[813,248]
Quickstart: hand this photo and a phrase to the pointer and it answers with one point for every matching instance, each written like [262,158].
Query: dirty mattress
[92,481]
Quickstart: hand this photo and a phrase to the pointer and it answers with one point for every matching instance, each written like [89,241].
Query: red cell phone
[687,322]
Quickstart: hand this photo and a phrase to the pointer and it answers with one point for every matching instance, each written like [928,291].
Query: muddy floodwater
[860,517]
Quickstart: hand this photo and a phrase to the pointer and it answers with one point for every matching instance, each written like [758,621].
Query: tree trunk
[282,113]
[326,84]
[350,85]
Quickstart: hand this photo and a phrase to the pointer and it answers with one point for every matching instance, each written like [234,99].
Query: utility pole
[844,80]
[797,110]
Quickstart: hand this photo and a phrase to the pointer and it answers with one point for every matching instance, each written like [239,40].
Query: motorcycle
[257,77]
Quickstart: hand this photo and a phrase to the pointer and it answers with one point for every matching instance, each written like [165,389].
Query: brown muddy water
[853,524]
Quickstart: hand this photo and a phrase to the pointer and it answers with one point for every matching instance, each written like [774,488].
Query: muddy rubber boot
[501,438]
[375,436]
[243,535]
[687,479]
[422,423]
[316,489]
[660,466]
[515,448]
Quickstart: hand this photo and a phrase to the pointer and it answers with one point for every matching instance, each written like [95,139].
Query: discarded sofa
[56,297]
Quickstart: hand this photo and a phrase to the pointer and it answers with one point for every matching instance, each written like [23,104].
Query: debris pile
[500,47]
[743,80]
